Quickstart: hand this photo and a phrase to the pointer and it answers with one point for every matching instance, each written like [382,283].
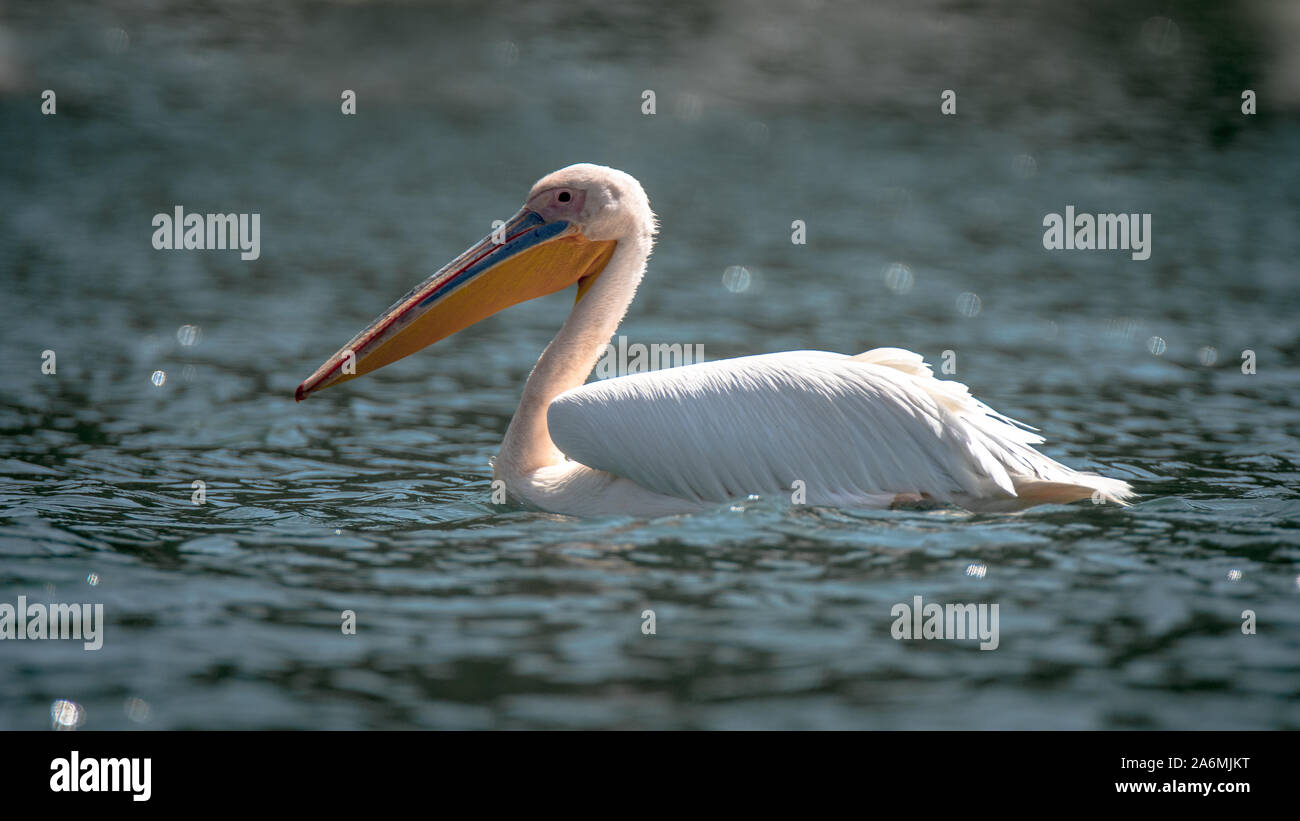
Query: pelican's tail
[1032,491]
[1018,476]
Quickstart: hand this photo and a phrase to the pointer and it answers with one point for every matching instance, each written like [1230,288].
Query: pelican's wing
[867,427]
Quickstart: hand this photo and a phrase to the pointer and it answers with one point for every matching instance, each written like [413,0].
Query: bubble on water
[116,40]
[977,570]
[137,709]
[1234,575]
[92,579]
[969,304]
[506,53]
[158,378]
[66,715]
[338,532]
[1160,36]
[1208,356]
[898,277]
[1123,327]
[188,334]
[737,279]
[1156,345]
[895,203]
[688,107]
[1024,166]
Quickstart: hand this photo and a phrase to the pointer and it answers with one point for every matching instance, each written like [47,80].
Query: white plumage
[867,430]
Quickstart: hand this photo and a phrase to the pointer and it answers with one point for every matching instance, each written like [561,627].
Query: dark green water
[374,497]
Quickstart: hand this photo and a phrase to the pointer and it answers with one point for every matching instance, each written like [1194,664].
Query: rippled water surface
[374,497]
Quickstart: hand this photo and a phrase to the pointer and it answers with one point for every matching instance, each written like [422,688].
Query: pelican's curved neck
[569,359]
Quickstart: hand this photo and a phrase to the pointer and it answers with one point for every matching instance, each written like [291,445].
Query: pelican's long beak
[536,258]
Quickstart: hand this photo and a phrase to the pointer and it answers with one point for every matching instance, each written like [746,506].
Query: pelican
[868,431]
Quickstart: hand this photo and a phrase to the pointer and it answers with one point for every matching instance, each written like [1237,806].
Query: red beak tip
[300,394]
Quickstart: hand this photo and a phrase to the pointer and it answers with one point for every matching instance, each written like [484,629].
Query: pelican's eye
[558,203]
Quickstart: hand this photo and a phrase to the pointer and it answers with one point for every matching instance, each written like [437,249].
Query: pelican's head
[603,203]
[564,235]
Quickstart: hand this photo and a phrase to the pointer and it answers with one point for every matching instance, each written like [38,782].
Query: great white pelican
[871,430]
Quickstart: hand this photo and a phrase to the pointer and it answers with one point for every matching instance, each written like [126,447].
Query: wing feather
[849,427]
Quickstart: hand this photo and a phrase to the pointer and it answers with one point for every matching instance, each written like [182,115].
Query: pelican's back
[843,430]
